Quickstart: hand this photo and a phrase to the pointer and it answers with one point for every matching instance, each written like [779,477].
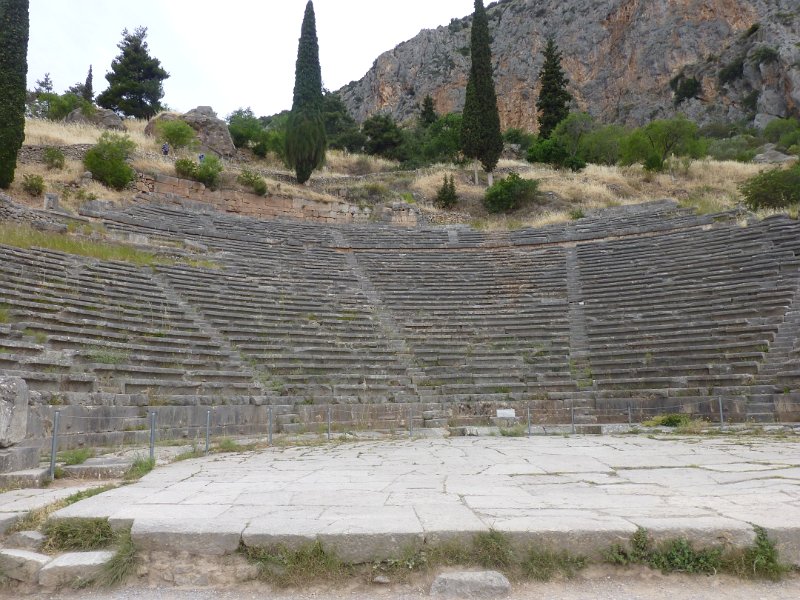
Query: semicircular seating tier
[647,308]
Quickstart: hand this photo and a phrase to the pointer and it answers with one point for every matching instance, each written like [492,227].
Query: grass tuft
[78,535]
[141,466]
[78,456]
[122,565]
[544,564]
[291,568]
[492,550]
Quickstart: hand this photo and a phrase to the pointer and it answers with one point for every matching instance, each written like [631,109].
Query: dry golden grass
[345,163]
[63,182]
[41,132]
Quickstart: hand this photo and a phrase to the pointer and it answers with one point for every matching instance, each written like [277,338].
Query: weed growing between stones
[759,561]
[35,520]
[673,420]
[78,456]
[291,568]
[141,466]
[544,564]
[518,431]
[78,535]
[121,565]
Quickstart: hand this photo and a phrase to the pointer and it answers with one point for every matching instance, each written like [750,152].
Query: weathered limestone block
[471,584]
[22,565]
[14,399]
[74,567]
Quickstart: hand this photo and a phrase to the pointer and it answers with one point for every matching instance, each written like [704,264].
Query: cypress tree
[14,28]
[88,87]
[135,83]
[481,138]
[554,99]
[305,132]
[428,114]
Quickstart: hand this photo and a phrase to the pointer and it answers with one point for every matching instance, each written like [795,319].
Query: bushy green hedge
[510,193]
[447,197]
[107,160]
[778,188]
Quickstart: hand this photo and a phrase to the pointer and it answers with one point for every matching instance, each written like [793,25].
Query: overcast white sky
[225,53]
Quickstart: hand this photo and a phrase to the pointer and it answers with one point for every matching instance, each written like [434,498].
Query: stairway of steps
[579,355]
[388,325]
[235,367]
[780,369]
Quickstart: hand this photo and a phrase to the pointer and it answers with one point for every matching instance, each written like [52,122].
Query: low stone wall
[172,189]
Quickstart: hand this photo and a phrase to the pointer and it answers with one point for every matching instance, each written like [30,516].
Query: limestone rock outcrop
[101,117]
[212,132]
[620,56]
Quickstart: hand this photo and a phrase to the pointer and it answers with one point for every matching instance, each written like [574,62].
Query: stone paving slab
[370,500]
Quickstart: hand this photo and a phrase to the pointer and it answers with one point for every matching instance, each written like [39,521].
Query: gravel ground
[596,584]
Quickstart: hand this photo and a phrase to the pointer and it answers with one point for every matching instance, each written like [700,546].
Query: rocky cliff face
[620,55]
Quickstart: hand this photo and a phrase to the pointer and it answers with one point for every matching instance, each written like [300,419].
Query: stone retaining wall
[172,189]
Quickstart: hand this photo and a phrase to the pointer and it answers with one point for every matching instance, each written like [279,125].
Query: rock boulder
[14,399]
[101,117]
[212,132]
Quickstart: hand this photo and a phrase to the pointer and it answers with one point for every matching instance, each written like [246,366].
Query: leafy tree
[572,131]
[14,28]
[56,108]
[341,128]
[244,126]
[44,85]
[481,138]
[441,140]
[305,133]
[519,137]
[660,139]
[84,90]
[554,99]
[135,83]
[384,137]
[427,115]
[602,145]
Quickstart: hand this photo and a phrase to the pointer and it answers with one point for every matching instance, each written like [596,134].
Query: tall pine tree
[305,132]
[135,83]
[481,138]
[554,99]
[14,28]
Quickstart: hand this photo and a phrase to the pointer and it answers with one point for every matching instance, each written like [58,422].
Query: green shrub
[186,168]
[33,184]
[673,420]
[778,128]
[245,127]
[447,197]
[207,172]
[54,158]
[778,188]
[178,134]
[510,193]
[547,151]
[107,160]
[253,181]
[272,140]
[765,54]
[685,88]
[741,148]
[59,106]
[732,71]
[522,138]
